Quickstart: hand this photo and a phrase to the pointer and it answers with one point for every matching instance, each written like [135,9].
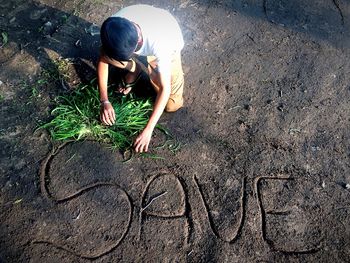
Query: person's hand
[124,91]
[107,114]
[142,141]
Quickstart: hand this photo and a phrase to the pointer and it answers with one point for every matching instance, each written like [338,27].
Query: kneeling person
[146,31]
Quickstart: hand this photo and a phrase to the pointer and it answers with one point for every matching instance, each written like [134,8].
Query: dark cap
[119,38]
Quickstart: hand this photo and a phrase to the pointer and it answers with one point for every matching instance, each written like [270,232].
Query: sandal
[130,85]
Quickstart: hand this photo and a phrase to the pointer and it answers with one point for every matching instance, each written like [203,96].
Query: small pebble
[78,43]
[315,148]
[93,30]
[247,107]
[281,107]
[347,186]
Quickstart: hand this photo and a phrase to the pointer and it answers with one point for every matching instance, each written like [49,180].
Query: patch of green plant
[62,68]
[5,39]
[64,19]
[35,87]
[76,117]
[35,92]
[55,72]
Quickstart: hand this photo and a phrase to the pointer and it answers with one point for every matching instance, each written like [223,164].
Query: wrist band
[105,102]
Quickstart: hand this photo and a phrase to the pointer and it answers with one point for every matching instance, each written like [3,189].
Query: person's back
[161,33]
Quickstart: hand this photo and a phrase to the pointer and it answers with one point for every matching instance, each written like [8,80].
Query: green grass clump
[5,39]
[76,117]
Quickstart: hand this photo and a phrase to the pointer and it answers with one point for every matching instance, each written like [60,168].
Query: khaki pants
[175,101]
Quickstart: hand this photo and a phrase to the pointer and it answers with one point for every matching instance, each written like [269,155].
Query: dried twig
[152,200]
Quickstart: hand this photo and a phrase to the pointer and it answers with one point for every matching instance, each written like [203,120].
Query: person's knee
[172,107]
[173,104]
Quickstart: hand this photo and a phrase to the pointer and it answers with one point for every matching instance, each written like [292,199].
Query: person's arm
[107,114]
[143,140]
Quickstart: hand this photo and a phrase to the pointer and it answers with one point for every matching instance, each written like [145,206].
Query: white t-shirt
[160,31]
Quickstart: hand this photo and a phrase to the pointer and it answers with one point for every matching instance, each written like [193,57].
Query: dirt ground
[263,173]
